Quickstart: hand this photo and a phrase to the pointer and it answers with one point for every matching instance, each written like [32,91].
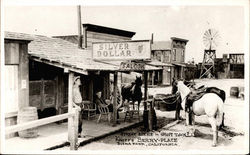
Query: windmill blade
[207,34]
[210,33]
[215,34]
[211,38]
[206,37]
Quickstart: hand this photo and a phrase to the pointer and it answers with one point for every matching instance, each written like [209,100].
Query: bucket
[27,114]
[157,106]
[234,91]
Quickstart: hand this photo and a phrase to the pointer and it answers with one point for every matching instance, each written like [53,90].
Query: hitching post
[145,89]
[145,111]
[72,132]
[115,99]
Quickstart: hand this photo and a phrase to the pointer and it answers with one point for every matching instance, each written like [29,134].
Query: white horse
[209,104]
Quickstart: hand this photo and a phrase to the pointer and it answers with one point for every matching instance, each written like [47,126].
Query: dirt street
[172,137]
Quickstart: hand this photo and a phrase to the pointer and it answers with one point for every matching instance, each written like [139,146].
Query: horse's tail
[220,115]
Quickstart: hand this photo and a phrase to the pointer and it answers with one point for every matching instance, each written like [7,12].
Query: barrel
[25,115]
[241,92]
[234,91]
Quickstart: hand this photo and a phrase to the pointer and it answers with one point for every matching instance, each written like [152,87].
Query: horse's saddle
[196,94]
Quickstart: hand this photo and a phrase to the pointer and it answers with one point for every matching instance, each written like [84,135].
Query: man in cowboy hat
[77,101]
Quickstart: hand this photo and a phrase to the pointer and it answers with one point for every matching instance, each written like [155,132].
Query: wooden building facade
[170,56]
[37,75]
[16,77]
[44,78]
[231,66]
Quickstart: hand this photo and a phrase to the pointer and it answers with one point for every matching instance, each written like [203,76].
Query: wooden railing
[72,126]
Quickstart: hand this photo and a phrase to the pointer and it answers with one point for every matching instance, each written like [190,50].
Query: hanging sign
[236,58]
[132,66]
[125,50]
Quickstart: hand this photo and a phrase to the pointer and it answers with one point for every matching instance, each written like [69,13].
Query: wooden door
[42,94]
[49,94]
[35,94]
[166,76]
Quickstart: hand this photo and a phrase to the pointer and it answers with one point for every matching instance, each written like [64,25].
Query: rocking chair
[104,110]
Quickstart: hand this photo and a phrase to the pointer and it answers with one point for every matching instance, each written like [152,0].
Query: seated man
[104,103]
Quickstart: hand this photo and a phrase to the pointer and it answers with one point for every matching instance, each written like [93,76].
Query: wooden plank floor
[56,134]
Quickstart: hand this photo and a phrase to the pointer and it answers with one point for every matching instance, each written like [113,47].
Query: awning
[158,63]
[179,64]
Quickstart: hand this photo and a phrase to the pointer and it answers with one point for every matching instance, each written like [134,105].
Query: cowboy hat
[76,78]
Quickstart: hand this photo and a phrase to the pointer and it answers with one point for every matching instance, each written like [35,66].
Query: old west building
[37,74]
[231,66]
[43,81]
[16,76]
[170,55]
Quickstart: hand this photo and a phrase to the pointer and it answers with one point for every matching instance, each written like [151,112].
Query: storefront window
[150,77]
[158,55]
[182,55]
[174,55]
[166,56]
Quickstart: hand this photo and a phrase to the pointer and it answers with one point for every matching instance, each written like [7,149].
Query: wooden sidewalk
[55,135]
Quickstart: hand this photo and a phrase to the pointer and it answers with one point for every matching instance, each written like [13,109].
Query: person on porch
[77,102]
[103,103]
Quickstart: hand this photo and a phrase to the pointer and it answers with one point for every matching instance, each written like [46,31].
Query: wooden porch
[52,136]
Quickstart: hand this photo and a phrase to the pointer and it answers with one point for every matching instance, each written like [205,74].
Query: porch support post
[91,89]
[153,78]
[145,111]
[72,132]
[115,99]
[145,88]
[182,70]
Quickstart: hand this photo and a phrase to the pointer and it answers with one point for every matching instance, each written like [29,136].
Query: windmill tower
[210,40]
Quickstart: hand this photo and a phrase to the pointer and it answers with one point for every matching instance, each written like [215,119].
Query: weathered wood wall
[16,55]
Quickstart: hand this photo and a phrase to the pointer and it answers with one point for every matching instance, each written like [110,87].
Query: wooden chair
[104,111]
[89,109]
[129,113]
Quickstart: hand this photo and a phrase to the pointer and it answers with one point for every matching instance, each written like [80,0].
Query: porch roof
[64,54]
[179,64]
[61,53]
[158,63]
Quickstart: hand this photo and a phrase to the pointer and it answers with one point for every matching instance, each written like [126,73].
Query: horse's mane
[132,90]
[183,88]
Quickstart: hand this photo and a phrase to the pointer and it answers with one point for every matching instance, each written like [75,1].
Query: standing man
[77,101]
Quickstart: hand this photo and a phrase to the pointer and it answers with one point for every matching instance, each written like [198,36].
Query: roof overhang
[179,39]
[159,64]
[179,64]
[108,30]
[58,64]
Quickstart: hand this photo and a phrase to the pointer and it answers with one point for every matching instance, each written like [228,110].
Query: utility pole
[79,26]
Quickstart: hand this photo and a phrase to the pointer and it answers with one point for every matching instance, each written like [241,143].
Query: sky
[165,21]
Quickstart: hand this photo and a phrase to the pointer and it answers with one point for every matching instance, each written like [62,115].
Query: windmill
[210,39]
